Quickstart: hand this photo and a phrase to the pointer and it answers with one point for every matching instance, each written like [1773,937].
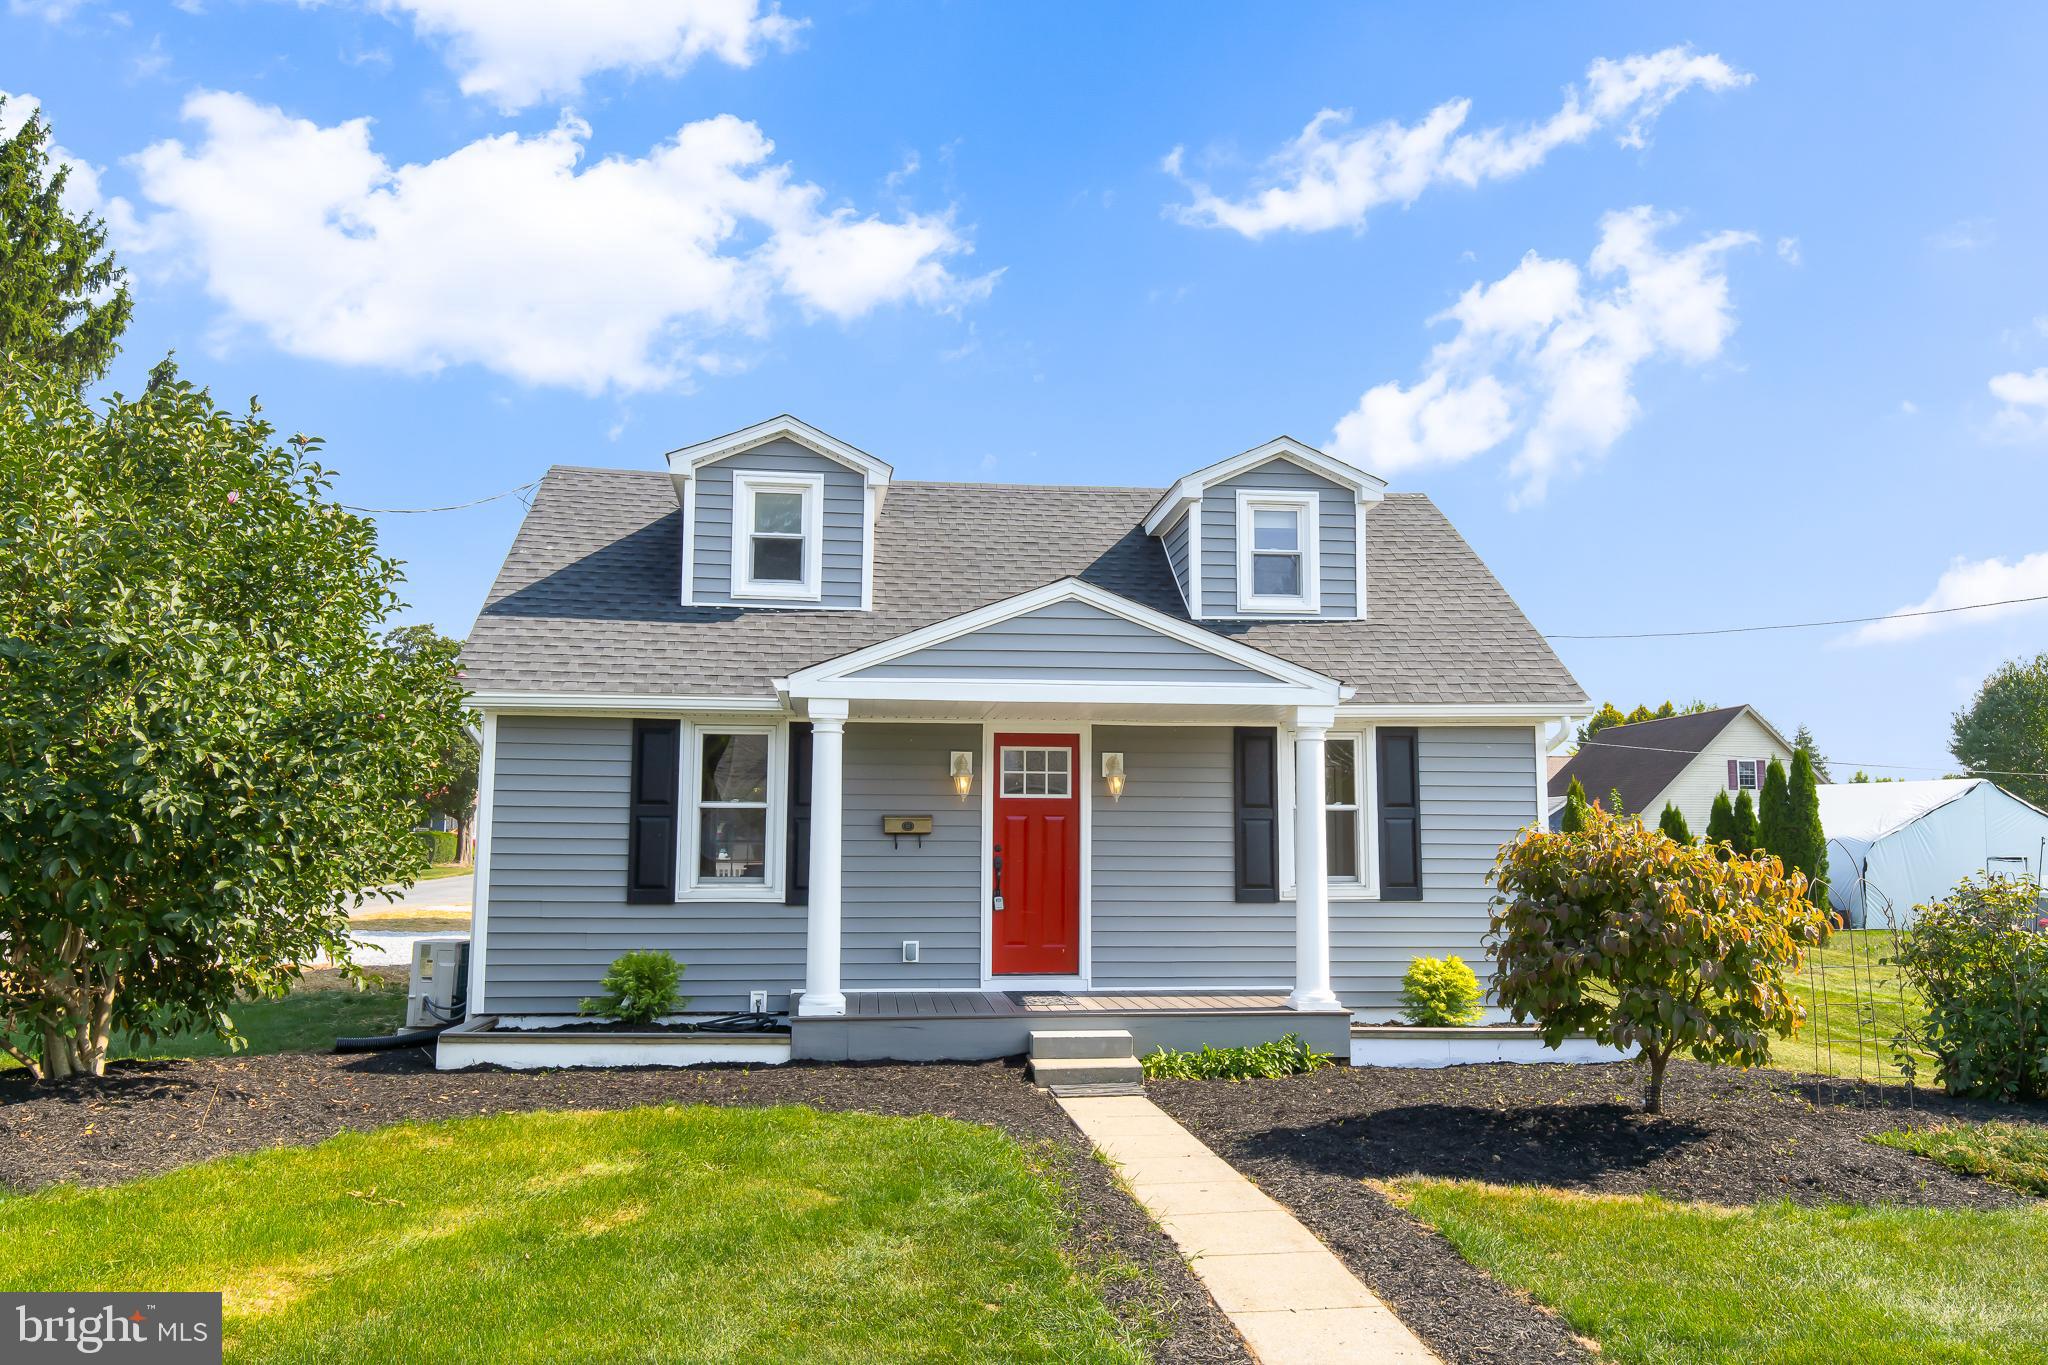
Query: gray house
[914,762]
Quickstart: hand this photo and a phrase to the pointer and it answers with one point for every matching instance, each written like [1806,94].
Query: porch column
[821,943]
[1311,865]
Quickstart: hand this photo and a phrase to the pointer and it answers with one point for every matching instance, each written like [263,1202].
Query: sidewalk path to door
[1290,1298]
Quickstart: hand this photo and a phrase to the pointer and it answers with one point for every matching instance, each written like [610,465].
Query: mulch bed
[148,1117]
[1726,1137]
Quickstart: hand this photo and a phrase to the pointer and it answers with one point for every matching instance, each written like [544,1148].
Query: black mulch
[1726,1137]
[148,1117]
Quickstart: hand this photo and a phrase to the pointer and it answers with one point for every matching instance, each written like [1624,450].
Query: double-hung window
[777,529]
[1344,809]
[731,802]
[1748,774]
[1276,552]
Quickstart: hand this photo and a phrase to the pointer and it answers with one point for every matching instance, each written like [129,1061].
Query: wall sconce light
[963,772]
[1113,774]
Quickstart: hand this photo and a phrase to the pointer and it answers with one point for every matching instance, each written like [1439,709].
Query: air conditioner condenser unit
[439,993]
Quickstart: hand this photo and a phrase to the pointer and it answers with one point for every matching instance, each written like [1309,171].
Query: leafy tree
[1608,715]
[1748,838]
[1721,824]
[452,791]
[1803,742]
[205,751]
[1773,799]
[1862,776]
[2003,733]
[1806,843]
[1574,818]
[1979,959]
[63,299]
[1642,942]
[1672,822]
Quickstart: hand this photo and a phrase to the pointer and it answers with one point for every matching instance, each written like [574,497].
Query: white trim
[1358,573]
[1187,596]
[1307,508]
[689,499]
[480,894]
[868,510]
[747,484]
[1365,776]
[611,703]
[1085,792]
[1195,561]
[687,460]
[689,888]
[1542,820]
[1367,487]
[833,677]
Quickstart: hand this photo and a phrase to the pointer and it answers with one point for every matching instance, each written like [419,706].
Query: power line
[1832,761]
[452,507]
[1803,625]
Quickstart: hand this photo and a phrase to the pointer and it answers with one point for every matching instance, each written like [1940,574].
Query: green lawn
[664,1234]
[440,870]
[1658,1282]
[2014,1155]
[1854,1007]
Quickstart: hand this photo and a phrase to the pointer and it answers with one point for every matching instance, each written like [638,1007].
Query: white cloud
[1541,355]
[517,53]
[1964,583]
[2025,414]
[1788,251]
[512,254]
[49,11]
[82,190]
[1968,234]
[1908,408]
[1332,176]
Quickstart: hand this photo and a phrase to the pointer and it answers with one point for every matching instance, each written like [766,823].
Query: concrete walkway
[1292,1300]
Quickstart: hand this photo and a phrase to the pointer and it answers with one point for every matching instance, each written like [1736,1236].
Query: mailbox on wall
[906,827]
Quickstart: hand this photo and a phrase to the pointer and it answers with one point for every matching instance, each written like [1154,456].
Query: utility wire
[1832,761]
[1803,625]
[452,507]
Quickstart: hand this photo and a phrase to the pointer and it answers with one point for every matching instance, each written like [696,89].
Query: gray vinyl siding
[1161,896]
[1478,790]
[932,893]
[1070,641]
[1336,547]
[557,911]
[844,511]
[1176,542]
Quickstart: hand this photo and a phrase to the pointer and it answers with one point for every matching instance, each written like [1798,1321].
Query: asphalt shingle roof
[1642,759]
[587,600]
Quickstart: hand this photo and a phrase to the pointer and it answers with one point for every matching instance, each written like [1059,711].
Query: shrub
[639,988]
[1440,992]
[1672,822]
[1748,833]
[1721,825]
[441,846]
[1984,975]
[1622,933]
[1574,818]
[1286,1056]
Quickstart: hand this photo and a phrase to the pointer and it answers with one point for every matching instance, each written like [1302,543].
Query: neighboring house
[866,748]
[1684,760]
[1893,846]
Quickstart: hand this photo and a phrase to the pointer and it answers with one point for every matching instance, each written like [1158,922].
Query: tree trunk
[1653,1102]
[81,1048]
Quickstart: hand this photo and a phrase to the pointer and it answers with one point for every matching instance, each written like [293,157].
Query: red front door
[1035,919]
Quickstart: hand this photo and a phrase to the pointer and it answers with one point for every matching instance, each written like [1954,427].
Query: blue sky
[1749,324]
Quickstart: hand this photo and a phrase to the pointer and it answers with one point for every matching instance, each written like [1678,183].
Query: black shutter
[651,818]
[1400,817]
[1257,815]
[798,877]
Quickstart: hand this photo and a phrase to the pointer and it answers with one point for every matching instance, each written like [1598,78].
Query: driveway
[437,909]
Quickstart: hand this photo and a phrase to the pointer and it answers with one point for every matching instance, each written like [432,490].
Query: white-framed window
[1033,771]
[1350,814]
[777,535]
[1277,569]
[733,830]
[1748,774]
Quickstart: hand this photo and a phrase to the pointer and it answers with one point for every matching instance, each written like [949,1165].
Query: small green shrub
[1984,975]
[441,846]
[1441,992]
[1287,1056]
[639,988]
[2014,1155]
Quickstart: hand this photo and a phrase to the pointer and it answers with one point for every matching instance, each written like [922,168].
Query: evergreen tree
[1804,836]
[1803,742]
[1746,838]
[63,300]
[1772,803]
[1672,822]
[1721,824]
[1574,808]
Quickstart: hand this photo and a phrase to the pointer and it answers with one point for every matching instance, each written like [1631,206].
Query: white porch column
[1311,865]
[821,943]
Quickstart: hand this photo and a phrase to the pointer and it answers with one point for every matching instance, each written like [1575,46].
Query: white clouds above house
[516,53]
[514,254]
[2023,414]
[1547,355]
[1965,583]
[1334,176]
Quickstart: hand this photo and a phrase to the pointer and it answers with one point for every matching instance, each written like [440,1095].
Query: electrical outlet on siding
[910,950]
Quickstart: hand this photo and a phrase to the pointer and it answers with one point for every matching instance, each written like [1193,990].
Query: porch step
[1049,1043]
[1064,1074]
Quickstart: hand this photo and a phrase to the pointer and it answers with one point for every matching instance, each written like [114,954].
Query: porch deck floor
[994,1004]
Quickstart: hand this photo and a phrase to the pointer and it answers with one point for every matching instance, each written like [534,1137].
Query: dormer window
[1276,552]
[778,518]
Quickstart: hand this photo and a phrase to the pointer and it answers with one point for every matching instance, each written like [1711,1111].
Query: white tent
[1895,845]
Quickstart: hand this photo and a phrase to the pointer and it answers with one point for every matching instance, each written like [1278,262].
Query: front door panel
[1037,847]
